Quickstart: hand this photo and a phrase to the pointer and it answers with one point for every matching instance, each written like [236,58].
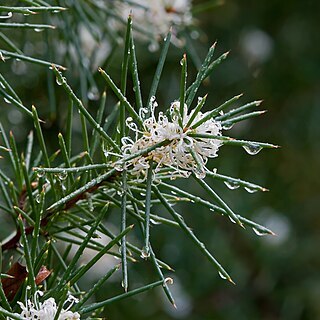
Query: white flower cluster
[157,17]
[47,310]
[183,153]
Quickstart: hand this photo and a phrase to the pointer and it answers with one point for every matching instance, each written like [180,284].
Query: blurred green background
[275,56]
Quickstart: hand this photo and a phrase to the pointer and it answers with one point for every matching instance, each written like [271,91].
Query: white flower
[46,310]
[157,17]
[183,153]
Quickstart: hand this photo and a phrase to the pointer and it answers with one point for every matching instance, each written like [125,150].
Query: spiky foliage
[130,156]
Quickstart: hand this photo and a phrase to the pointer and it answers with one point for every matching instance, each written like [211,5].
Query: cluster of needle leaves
[66,198]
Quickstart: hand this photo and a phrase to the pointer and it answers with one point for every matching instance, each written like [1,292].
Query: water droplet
[222,276]
[250,190]
[168,280]
[40,173]
[232,185]
[145,253]
[154,222]
[119,167]
[93,93]
[252,148]
[200,174]
[38,29]
[38,198]
[231,219]
[62,175]
[7,101]
[59,81]
[260,233]
[227,126]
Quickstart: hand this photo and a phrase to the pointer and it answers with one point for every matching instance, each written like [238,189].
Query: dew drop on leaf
[40,173]
[250,190]
[231,219]
[252,149]
[38,198]
[62,175]
[260,233]
[227,126]
[59,81]
[222,276]
[232,185]
[145,253]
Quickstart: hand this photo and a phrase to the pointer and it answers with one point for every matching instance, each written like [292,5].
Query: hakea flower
[35,310]
[183,153]
[157,17]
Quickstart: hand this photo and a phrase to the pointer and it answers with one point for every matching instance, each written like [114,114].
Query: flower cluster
[47,310]
[182,152]
[157,17]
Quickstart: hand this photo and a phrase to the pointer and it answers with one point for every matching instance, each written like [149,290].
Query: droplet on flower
[232,185]
[252,148]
